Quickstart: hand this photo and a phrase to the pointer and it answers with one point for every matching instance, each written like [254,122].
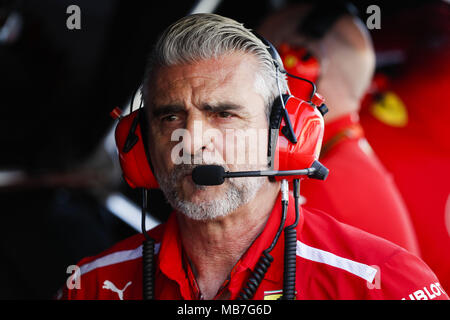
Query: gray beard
[238,192]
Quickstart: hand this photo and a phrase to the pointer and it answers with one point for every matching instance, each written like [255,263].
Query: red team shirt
[334,261]
[359,191]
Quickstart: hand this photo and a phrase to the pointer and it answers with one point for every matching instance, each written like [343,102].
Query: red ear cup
[308,127]
[132,155]
[305,118]
[299,62]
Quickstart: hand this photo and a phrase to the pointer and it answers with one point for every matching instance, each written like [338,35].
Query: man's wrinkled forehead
[216,75]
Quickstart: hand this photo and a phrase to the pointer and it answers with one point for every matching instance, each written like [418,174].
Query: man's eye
[224,114]
[169,118]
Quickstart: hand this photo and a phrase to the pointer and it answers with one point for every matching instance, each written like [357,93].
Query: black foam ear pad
[143,122]
[276,115]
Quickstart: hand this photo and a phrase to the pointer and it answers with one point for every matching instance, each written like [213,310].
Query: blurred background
[62,196]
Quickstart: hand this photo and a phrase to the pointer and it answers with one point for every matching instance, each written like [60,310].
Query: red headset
[297,139]
[133,156]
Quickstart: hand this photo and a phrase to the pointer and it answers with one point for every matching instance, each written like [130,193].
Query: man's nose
[194,140]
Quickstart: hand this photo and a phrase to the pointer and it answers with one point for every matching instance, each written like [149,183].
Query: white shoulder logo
[108,285]
[435,290]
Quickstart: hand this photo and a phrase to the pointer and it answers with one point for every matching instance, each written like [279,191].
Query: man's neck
[213,247]
[335,112]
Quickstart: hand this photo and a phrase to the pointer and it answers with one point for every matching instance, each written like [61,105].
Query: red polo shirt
[334,261]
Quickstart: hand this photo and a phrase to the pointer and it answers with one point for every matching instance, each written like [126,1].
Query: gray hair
[204,36]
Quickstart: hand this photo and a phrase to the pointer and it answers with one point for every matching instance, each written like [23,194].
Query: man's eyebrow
[167,109]
[209,107]
[220,107]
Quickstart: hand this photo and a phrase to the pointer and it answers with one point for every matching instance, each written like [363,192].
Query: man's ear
[353,31]
[349,46]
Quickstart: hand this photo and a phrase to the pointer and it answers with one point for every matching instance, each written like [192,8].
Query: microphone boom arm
[213,175]
[269,173]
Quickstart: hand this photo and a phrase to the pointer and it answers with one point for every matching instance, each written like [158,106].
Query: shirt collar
[170,260]
[333,127]
[251,257]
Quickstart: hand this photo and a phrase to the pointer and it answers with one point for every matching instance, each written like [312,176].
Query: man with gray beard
[211,72]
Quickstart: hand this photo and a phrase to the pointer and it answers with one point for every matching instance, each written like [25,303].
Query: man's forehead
[225,72]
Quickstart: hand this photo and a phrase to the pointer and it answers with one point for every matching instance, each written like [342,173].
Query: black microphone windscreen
[321,172]
[208,175]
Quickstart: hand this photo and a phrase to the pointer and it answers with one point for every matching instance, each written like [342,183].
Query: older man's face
[204,113]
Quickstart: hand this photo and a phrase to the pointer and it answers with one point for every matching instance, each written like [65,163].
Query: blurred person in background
[331,46]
